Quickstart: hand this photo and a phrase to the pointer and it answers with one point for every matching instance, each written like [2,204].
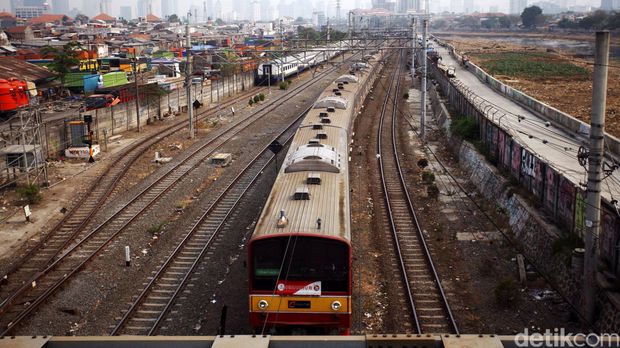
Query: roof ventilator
[338,93]
[321,136]
[313,179]
[302,194]
[326,120]
[331,109]
[317,126]
[282,220]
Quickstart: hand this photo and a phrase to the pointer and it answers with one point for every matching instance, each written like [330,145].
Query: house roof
[47,18]
[22,70]
[104,17]
[6,15]
[16,30]
[152,18]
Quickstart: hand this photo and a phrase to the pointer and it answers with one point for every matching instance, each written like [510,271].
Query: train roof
[313,182]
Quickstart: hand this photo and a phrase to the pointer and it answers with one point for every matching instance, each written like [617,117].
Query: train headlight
[336,305]
[262,304]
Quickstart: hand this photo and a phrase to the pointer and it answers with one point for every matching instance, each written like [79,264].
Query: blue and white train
[276,69]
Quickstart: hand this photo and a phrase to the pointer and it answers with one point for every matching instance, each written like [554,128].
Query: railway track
[77,218]
[424,292]
[87,243]
[150,307]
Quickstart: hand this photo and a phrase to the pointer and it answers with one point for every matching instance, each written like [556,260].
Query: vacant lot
[558,79]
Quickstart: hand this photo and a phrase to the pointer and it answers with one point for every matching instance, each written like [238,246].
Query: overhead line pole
[424,67]
[596,151]
[188,82]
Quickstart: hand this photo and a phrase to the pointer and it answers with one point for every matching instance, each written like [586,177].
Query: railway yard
[383,231]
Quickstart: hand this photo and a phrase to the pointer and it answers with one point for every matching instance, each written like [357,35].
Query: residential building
[7,20]
[405,6]
[468,6]
[20,34]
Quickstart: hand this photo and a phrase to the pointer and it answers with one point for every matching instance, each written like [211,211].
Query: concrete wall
[531,233]
[564,120]
[122,117]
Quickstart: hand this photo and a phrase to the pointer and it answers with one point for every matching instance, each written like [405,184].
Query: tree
[219,21]
[173,18]
[64,59]
[531,16]
[81,18]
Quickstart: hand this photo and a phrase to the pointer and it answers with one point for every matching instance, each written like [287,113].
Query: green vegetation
[251,102]
[465,128]
[529,64]
[428,177]
[156,228]
[261,97]
[283,85]
[65,59]
[532,17]
[595,21]
[507,293]
[30,193]
[256,99]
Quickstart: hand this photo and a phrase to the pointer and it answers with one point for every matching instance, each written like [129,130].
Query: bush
[507,293]
[261,97]
[31,193]
[251,102]
[256,99]
[289,81]
[428,177]
[465,128]
[156,228]
[283,85]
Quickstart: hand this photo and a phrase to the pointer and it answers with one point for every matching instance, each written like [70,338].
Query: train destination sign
[289,287]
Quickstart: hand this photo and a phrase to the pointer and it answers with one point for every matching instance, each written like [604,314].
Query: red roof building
[151,18]
[47,18]
[104,17]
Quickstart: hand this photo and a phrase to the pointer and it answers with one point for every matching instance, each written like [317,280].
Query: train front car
[299,257]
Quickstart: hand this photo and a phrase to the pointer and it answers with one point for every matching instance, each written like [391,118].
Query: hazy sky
[183,5]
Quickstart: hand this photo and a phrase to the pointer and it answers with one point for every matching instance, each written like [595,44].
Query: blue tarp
[90,83]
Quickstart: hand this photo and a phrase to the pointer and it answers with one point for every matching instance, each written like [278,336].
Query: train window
[313,179]
[326,120]
[306,258]
[321,136]
[317,126]
[301,194]
[331,109]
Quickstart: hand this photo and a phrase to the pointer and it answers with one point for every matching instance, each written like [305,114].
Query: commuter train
[298,62]
[299,256]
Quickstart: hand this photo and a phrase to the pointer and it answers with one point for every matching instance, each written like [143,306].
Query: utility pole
[595,156]
[282,50]
[135,79]
[423,94]
[328,31]
[413,46]
[188,77]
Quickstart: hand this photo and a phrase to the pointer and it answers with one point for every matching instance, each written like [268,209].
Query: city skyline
[269,9]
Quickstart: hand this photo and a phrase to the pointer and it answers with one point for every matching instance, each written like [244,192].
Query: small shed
[221,159]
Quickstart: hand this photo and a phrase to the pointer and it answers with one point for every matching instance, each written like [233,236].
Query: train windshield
[307,259]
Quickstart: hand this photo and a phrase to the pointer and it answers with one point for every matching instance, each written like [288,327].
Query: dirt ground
[572,95]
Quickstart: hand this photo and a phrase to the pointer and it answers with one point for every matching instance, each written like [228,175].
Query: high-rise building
[256,10]
[456,6]
[60,6]
[517,6]
[125,12]
[143,8]
[405,6]
[33,3]
[168,7]
[468,6]
[217,9]
[105,6]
